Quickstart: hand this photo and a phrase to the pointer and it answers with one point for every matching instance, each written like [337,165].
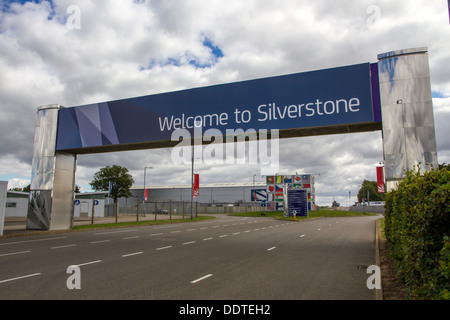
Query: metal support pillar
[409,137]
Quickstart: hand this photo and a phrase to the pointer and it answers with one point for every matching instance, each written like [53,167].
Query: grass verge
[312,214]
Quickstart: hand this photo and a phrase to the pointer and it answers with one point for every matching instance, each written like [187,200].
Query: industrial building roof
[202,185]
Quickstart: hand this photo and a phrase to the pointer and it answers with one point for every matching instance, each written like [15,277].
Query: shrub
[417,227]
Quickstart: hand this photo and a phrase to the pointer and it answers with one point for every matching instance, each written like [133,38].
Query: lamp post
[254,192]
[145,174]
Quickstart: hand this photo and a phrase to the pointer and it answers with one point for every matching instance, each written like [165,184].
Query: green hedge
[417,227]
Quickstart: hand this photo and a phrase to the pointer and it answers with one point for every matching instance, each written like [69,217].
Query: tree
[370,186]
[335,204]
[120,178]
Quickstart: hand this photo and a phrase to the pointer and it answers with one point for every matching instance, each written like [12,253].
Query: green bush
[417,227]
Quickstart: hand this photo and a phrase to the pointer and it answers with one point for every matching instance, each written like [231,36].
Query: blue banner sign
[297,202]
[340,96]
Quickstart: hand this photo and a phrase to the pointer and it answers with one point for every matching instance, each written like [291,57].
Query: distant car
[161,211]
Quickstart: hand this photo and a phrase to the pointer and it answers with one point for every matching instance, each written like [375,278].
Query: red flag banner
[380,180]
[145,194]
[196,186]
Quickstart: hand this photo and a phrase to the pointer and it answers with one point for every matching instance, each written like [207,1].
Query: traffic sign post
[297,202]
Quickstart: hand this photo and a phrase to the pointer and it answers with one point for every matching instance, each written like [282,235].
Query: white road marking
[87,263]
[128,238]
[162,248]
[27,241]
[190,242]
[132,254]
[100,241]
[202,278]
[22,277]
[13,253]
[270,249]
[67,246]
[120,231]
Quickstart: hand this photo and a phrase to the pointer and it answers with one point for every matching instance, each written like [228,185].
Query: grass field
[312,214]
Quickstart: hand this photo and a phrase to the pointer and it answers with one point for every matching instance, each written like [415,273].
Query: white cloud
[128,48]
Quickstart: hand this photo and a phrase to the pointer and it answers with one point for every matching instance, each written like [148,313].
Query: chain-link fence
[178,209]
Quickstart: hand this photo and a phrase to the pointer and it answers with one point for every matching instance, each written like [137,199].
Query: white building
[16,204]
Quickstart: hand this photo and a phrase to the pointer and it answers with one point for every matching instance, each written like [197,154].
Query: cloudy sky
[76,52]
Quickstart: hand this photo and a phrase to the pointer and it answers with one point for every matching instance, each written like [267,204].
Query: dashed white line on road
[100,241]
[60,247]
[206,239]
[162,248]
[37,240]
[87,263]
[202,278]
[120,231]
[270,249]
[128,238]
[190,242]
[302,236]
[13,253]
[132,254]
[22,277]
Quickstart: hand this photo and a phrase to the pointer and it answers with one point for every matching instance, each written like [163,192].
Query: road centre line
[88,263]
[132,254]
[162,248]
[128,238]
[13,253]
[61,247]
[202,278]
[100,241]
[270,249]
[27,241]
[190,242]
[22,277]
[110,232]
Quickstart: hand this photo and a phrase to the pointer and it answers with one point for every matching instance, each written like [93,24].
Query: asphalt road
[225,258]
